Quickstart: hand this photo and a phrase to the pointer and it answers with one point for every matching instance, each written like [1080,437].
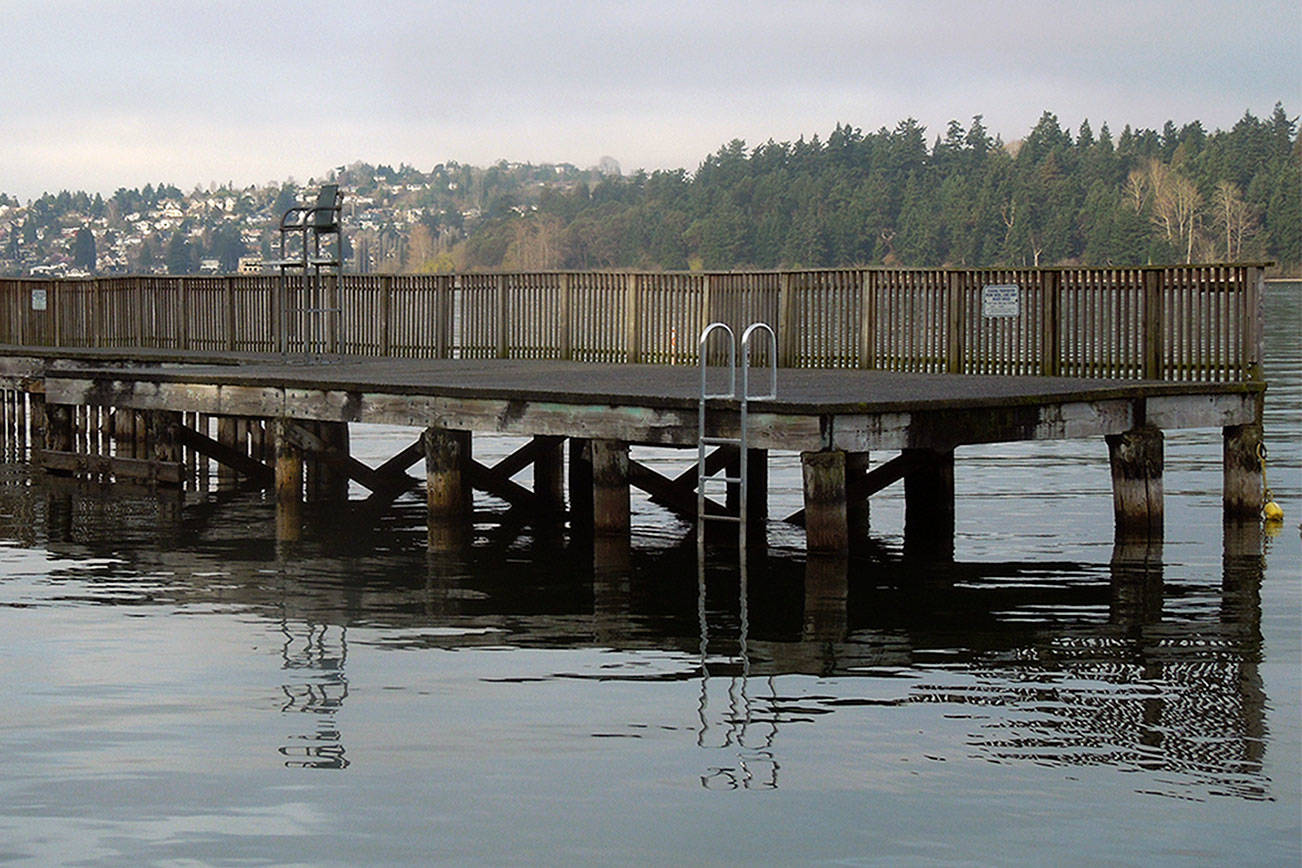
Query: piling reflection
[1117,663]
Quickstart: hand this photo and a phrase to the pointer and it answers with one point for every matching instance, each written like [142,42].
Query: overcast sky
[108,93]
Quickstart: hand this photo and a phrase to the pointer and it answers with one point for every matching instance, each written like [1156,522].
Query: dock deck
[834,417]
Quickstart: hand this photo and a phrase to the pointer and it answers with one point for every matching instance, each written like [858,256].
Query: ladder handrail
[742,442]
[732,361]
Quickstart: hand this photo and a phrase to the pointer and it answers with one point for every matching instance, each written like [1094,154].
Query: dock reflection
[1059,663]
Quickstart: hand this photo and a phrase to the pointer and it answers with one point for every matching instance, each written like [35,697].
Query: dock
[139,382]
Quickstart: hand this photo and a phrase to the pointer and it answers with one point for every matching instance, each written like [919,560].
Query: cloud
[104,94]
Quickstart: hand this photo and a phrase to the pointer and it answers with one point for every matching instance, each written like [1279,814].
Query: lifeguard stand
[301,230]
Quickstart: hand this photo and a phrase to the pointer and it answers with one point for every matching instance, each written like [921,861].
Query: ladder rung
[721,441]
[732,518]
[728,479]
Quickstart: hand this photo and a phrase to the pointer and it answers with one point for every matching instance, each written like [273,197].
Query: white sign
[1001,300]
[38,299]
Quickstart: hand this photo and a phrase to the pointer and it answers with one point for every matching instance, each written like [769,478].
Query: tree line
[1179,194]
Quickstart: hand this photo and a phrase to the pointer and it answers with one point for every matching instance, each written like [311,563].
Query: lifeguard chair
[301,229]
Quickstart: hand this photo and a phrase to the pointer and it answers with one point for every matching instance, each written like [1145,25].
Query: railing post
[139,293]
[386,311]
[954,310]
[185,314]
[787,328]
[867,319]
[1153,316]
[56,328]
[567,346]
[501,317]
[228,291]
[1049,344]
[1253,323]
[97,314]
[633,318]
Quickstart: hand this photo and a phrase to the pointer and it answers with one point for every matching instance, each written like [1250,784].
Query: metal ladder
[742,442]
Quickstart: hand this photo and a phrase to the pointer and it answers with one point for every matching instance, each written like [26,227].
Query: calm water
[176,688]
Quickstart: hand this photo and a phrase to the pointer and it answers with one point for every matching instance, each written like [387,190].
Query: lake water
[179,689]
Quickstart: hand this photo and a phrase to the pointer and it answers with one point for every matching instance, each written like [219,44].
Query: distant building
[209,266]
[249,265]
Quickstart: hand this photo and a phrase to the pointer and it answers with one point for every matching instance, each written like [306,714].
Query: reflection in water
[315,648]
[1059,664]
[756,766]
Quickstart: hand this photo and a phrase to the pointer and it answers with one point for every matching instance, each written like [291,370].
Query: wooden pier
[883,374]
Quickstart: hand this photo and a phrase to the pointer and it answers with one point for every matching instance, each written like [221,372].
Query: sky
[103,94]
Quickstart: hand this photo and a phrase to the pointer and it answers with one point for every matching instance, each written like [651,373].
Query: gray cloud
[98,95]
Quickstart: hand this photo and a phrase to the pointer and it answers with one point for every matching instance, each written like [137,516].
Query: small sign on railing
[1001,300]
[39,300]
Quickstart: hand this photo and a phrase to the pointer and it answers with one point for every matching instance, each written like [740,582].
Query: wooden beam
[226,455]
[826,530]
[862,486]
[322,451]
[80,464]
[670,493]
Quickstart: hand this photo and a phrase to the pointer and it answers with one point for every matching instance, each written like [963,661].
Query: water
[179,689]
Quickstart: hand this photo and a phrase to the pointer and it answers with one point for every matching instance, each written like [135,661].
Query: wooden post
[580,483]
[447,487]
[185,314]
[1136,459]
[289,484]
[567,342]
[162,434]
[610,507]
[334,481]
[868,319]
[955,306]
[37,400]
[1243,493]
[929,505]
[1050,344]
[633,318]
[856,511]
[502,347]
[58,433]
[386,302]
[826,530]
[1153,316]
[549,473]
[228,435]
[228,294]
[787,326]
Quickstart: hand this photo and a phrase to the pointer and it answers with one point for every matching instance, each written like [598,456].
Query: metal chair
[320,219]
[309,224]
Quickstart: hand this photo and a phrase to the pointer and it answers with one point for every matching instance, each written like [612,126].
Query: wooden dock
[883,375]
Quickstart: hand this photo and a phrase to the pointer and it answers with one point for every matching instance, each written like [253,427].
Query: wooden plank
[249,467]
[669,492]
[138,469]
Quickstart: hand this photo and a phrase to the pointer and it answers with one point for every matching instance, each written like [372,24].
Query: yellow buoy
[1272,511]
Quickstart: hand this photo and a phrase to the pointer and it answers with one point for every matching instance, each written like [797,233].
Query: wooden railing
[1200,322]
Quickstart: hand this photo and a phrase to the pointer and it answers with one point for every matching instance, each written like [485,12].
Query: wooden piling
[447,488]
[1137,499]
[826,531]
[929,504]
[289,484]
[549,473]
[1243,491]
[610,506]
[580,483]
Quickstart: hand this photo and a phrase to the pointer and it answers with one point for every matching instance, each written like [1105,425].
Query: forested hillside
[902,196]
[966,199]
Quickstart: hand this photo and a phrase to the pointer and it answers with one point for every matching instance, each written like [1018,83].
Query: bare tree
[1232,216]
